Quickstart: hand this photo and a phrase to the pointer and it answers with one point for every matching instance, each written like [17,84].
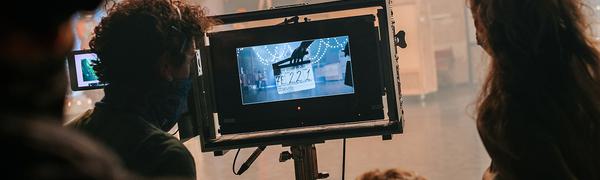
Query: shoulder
[166,144]
[528,152]
[53,145]
[169,156]
[115,128]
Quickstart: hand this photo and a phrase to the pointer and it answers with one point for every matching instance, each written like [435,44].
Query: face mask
[169,103]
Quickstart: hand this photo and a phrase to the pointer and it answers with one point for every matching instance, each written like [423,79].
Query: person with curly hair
[539,110]
[391,174]
[145,48]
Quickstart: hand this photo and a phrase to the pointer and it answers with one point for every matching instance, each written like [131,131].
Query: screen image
[295,70]
[86,76]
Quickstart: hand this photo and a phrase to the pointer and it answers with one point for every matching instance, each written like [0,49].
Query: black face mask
[167,103]
[33,87]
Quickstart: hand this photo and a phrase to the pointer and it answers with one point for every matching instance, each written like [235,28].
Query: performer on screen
[296,57]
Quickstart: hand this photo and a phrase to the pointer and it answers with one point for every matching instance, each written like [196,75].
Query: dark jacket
[40,148]
[144,148]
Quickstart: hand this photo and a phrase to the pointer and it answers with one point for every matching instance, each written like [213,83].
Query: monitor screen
[82,73]
[297,75]
[295,70]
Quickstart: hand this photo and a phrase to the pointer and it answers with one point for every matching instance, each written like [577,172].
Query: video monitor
[81,71]
[295,70]
[294,75]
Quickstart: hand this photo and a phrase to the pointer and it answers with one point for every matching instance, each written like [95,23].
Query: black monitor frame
[204,106]
[364,104]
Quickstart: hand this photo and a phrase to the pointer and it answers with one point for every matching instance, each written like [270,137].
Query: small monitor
[81,71]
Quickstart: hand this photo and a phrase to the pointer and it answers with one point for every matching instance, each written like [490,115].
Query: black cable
[344,160]
[234,159]
[248,162]
[176,131]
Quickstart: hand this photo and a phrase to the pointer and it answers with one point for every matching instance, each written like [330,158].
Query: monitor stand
[305,161]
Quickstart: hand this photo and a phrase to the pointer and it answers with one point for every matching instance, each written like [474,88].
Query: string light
[270,54]
[316,54]
[338,44]
[260,58]
[322,54]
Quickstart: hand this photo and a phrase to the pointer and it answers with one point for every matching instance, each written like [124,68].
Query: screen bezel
[365,104]
[73,71]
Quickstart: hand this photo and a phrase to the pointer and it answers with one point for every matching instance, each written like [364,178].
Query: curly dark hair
[130,41]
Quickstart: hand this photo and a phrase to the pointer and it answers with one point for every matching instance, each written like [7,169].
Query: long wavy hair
[544,72]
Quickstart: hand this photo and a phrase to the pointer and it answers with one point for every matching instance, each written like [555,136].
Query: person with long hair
[538,114]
